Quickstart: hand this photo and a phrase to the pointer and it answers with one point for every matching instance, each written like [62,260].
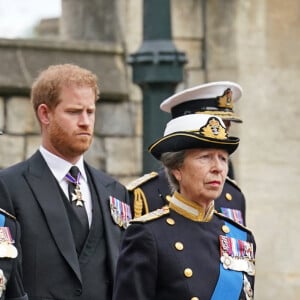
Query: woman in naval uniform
[187,250]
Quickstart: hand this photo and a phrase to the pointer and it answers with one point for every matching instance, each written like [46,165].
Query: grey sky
[17,17]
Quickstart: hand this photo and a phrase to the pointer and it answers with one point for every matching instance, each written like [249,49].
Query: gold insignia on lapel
[225,101]
[214,129]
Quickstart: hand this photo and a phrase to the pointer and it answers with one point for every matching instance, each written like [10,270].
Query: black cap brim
[183,140]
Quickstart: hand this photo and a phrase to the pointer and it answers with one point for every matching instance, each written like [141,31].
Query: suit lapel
[41,180]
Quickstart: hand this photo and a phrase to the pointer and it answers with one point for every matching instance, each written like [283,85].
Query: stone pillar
[220,39]
[221,54]
[157,69]
[90,20]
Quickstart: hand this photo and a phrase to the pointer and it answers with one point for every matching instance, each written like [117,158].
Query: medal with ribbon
[76,194]
[237,254]
[120,212]
[7,249]
[233,214]
[3,282]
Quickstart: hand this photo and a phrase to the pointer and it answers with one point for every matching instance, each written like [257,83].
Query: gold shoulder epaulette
[7,213]
[232,221]
[153,215]
[137,182]
[233,182]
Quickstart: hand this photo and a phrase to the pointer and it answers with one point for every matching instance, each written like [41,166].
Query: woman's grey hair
[172,161]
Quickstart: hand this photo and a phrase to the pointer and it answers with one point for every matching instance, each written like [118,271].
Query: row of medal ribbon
[237,255]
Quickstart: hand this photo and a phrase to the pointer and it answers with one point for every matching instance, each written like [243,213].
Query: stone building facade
[252,42]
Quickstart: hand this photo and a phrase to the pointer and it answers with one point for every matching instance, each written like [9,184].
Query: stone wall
[269,161]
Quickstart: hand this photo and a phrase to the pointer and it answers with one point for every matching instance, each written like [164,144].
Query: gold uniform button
[179,246]
[188,272]
[228,196]
[168,198]
[170,221]
[195,298]
[225,229]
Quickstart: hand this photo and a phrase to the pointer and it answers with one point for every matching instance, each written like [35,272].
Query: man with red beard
[71,215]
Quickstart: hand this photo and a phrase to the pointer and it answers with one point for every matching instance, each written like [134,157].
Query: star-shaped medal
[77,196]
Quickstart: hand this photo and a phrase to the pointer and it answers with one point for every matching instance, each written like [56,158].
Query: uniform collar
[190,209]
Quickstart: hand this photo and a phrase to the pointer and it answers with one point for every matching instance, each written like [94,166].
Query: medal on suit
[248,289]
[233,214]
[76,194]
[237,255]
[120,212]
[7,249]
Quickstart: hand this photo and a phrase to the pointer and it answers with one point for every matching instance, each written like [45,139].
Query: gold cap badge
[214,129]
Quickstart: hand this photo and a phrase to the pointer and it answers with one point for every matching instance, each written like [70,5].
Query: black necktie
[77,200]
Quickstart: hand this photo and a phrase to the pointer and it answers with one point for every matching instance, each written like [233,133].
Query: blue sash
[230,282]
[2,220]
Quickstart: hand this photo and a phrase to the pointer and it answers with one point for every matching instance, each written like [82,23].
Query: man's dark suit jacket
[51,267]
